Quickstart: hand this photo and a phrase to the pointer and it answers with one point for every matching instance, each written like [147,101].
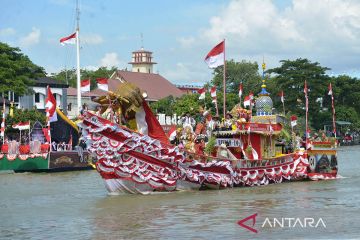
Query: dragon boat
[143,161]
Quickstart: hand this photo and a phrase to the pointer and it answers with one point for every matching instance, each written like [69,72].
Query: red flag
[102,83]
[215,57]
[293,120]
[2,133]
[240,90]
[154,128]
[172,133]
[247,101]
[22,125]
[213,94]
[50,105]
[69,39]
[281,94]
[202,92]
[85,85]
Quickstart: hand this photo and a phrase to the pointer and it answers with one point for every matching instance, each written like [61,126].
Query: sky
[181,33]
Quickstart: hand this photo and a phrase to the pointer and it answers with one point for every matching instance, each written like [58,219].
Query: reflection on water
[75,205]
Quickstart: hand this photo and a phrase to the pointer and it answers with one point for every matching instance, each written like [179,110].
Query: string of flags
[102,83]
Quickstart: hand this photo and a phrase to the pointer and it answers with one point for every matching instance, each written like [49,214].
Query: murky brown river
[75,205]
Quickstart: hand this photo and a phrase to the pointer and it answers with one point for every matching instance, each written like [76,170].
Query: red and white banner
[102,83]
[50,106]
[281,94]
[293,120]
[240,90]
[330,90]
[22,125]
[216,56]
[247,101]
[213,94]
[202,92]
[2,132]
[172,133]
[85,85]
[68,40]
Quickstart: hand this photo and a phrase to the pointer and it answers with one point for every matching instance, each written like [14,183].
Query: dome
[264,105]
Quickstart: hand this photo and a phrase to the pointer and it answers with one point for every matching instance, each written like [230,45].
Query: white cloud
[7,32]
[186,41]
[32,38]
[324,31]
[110,60]
[186,73]
[92,39]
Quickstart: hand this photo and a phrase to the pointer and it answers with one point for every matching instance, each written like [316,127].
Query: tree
[237,72]
[290,78]
[69,76]
[17,71]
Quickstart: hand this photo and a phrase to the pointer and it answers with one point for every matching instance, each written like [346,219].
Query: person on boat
[224,153]
[187,120]
[54,146]
[199,146]
[228,122]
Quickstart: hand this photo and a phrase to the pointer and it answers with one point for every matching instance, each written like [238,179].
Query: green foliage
[69,75]
[290,78]
[17,71]
[237,72]
[21,115]
[164,105]
[210,146]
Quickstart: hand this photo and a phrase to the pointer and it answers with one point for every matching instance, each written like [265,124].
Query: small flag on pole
[293,120]
[2,133]
[240,90]
[68,40]
[102,83]
[215,57]
[50,106]
[85,85]
[247,101]
[202,92]
[213,94]
[330,90]
[281,94]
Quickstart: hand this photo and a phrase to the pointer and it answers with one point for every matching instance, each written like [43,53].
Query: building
[188,89]
[37,99]
[142,61]
[86,98]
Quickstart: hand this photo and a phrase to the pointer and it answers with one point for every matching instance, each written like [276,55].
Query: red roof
[155,85]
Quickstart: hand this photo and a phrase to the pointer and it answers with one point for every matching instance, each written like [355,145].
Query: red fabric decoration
[5,148]
[154,128]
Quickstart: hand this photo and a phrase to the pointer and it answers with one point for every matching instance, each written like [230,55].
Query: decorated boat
[142,160]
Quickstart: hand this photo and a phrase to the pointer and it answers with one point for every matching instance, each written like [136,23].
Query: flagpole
[224,84]
[333,111]
[306,115]
[283,103]
[78,59]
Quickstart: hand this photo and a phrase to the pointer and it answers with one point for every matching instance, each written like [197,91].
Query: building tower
[142,61]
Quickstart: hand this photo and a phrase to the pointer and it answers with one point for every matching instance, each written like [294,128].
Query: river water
[75,205]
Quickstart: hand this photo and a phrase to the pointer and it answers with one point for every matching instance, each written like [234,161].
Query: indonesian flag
[68,40]
[172,133]
[2,132]
[213,94]
[22,125]
[50,106]
[293,120]
[254,153]
[85,85]
[247,101]
[216,56]
[202,92]
[330,90]
[102,83]
[251,95]
[281,94]
[240,90]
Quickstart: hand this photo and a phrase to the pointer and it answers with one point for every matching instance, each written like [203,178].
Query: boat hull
[133,163]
